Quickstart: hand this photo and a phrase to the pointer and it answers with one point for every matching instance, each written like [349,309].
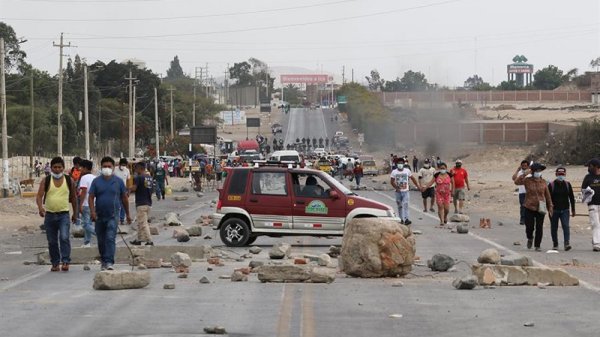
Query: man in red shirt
[461,181]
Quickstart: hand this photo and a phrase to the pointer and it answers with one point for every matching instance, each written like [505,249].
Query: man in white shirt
[122,172]
[399,180]
[84,207]
[425,176]
[520,171]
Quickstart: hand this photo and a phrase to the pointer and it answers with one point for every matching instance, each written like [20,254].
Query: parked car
[369,165]
[282,201]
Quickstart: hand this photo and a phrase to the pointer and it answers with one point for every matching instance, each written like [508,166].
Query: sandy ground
[538,112]
[238,132]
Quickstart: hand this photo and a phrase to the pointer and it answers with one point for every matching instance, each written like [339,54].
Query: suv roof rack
[276,163]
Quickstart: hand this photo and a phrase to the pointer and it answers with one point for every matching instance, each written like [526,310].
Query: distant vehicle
[276,128]
[286,155]
[339,133]
[319,151]
[246,145]
[342,141]
[369,166]
[281,201]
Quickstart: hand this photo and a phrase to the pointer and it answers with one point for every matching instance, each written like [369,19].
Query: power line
[172,18]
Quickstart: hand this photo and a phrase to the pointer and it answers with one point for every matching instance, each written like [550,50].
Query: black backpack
[68,180]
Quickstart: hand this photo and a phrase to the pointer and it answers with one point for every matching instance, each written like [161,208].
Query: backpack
[68,180]
[568,185]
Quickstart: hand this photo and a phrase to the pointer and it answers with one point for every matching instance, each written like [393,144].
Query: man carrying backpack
[142,187]
[562,197]
[54,196]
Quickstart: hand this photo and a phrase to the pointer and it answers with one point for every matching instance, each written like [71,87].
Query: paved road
[36,302]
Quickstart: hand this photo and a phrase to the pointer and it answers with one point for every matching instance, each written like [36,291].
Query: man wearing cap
[592,180]
[562,197]
[521,171]
[538,202]
[461,181]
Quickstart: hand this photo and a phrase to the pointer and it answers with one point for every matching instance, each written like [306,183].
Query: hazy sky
[447,40]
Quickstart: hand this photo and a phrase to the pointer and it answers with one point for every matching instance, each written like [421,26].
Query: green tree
[414,81]
[476,83]
[376,83]
[241,73]
[548,78]
[509,85]
[175,71]
[15,57]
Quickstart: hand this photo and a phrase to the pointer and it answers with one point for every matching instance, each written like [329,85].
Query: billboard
[253,122]
[203,134]
[306,78]
[520,69]
[234,117]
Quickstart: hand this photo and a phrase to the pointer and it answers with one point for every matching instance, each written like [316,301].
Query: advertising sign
[520,68]
[235,117]
[306,79]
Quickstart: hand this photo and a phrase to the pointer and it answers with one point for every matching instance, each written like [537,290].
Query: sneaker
[596,249]
[64,267]
[86,245]
[529,244]
[149,243]
[136,242]
[522,223]
[54,268]
[109,267]
[555,247]
[538,249]
[432,210]
[407,222]
[103,267]
[425,210]
[402,222]
[568,247]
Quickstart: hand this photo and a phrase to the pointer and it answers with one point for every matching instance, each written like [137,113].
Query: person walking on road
[444,184]
[399,179]
[358,173]
[592,181]
[562,197]
[142,187]
[85,182]
[520,171]
[160,177]
[107,195]
[415,162]
[75,174]
[122,172]
[55,194]
[461,186]
[538,203]
[425,176]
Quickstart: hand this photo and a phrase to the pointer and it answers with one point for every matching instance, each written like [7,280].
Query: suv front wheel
[235,232]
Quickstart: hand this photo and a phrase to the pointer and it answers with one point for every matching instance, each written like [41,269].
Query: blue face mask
[560,178]
[537,174]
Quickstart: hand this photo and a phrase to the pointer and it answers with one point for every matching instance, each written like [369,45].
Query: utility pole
[86,112]
[225,83]
[352,75]
[195,85]
[156,133]
[61,45]
[131,130]
[206,76]
[133,119]
[5,178]
[31,125]
[172,115]
[343,74]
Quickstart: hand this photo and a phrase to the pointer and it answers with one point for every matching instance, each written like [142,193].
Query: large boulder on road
[374,247]
[171,219]
[460,218]
[121,279]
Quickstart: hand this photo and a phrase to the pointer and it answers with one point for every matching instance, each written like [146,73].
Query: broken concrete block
[324,260]
[375,247]
[516,275]
[284,273]
[154,230]
[299,261]
[440,262]
[238,276]
[121,279]
[171,219]
[465,283]
[181,260]
[181,235]
[255,250]
[169,286]
[322,275]
[215,330]
[516,260]
[462,228]
[459,218]
[280,250]
[255,264]
[490,256]
[180,198]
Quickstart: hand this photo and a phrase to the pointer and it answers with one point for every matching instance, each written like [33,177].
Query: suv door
[269,200]
[313,208]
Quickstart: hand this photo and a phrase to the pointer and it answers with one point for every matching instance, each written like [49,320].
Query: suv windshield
[337,184]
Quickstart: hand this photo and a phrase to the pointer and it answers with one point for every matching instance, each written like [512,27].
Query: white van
[286,155]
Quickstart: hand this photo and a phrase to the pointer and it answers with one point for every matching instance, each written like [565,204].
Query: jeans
[563,216]
[121,213]
[521,202]
[160,190]
[86,222]
[106,232]
[57,233]
[595,222]
[402,199]
[357,179]
[534,221]
[78,220]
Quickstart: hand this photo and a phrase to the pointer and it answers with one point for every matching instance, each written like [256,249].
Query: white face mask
[107,171]
[57,175]
[426,166]
[537,174]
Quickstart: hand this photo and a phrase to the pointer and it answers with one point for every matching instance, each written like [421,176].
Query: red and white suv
[278,201]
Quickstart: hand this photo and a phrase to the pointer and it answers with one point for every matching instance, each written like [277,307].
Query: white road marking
[495,244]
[25,278]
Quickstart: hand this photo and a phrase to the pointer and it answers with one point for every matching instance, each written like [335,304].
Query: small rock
[397,284]
[166,265]
[280,251]
[238,276]
[207,237]
[577,263]
[255,250]
[334,251]
[194,230]
[462,228]
[490,256]
[542,285]
[141,266]
[209,269]
[181,260]
[154,230]
[200,194]
[213,260]
[184,189]
[324,260]
[215,330]
[529,324]
[517,243]
[396,316]
[169,286]
[440,262]
[465,283]
[459,218]
[255,264]
[204,280]
[417,232]
[225,277]
[516,260]
[299,261]
[182,275]
[86,267]
[180,198]
[500,223]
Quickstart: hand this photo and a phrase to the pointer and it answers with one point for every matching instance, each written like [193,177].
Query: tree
[175,71]
[548,78]
[15,57]
[241,73]
[414,81]
[509,85]
[476,83]
[376,83]
[595,63]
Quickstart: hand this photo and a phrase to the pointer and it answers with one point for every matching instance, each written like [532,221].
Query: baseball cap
[561,171]
[594,162]
[537,166]
[458,161]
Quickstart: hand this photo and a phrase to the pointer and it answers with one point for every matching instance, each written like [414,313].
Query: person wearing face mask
[592,180]
[461,181]
[443,191]
[425,176]
[122,172]
[562,197]
[107,195]
[53,199]
[538,202]
[521,171]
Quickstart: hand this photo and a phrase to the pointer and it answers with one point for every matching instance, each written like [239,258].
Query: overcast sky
[447,40]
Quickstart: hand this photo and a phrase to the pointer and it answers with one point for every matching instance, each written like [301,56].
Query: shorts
[429,193]
[460,194]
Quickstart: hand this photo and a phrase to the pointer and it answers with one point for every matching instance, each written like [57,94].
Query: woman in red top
[358,173]
[444,184]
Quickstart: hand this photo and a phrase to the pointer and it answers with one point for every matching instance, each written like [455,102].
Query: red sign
[307,79]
